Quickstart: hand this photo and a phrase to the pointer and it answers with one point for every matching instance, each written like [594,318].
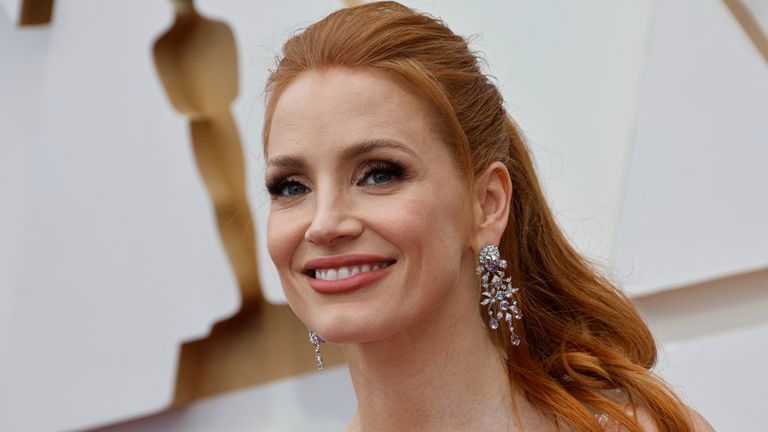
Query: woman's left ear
[492,197]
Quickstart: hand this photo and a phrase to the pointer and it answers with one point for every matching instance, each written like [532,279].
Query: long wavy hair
[581,337]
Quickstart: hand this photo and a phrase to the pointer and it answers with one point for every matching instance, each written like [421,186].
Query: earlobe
[493,195]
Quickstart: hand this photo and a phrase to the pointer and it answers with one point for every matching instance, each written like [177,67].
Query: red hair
[581,337]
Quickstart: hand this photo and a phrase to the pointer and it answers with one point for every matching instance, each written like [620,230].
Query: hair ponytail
[586,350]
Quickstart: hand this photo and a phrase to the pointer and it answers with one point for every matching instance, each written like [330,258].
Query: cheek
[430,228]
[432,235]
[435,218]
[283,237]
[406,221]
[285,233]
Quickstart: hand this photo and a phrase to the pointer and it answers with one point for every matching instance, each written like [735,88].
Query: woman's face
[368,226]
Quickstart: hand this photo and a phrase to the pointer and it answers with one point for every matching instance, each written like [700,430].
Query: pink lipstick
[345,273]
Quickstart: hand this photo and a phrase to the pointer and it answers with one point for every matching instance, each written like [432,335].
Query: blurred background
[136,294]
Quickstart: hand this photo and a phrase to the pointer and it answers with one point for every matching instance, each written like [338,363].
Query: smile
[332,274]
[345,273]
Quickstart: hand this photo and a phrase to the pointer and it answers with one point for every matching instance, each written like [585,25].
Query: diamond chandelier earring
[498,294]
[316,340]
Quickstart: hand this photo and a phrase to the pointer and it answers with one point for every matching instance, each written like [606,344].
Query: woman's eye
[294,188]
[287,188]
[381,173]
[378,177]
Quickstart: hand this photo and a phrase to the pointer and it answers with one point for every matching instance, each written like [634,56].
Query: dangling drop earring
[498,294]
[316,340]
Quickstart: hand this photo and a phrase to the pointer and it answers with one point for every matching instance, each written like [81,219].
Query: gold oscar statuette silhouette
[35,12]
[749,23]
[196,60]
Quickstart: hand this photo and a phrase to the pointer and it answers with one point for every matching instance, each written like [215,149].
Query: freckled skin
[421,220]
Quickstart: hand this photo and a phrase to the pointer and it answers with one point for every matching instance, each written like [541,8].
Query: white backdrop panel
[120,260]
[22,62]
[11,9]
[695,205]
[722,376]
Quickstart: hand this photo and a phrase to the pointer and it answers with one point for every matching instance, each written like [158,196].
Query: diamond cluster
[498,294]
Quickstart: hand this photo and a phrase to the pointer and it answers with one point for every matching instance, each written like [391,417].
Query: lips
[344,273]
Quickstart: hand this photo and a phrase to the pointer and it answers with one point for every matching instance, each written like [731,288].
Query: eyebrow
[351,152]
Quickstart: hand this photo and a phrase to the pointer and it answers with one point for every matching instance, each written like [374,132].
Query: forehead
[337,107]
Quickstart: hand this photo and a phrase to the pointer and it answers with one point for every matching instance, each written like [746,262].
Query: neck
[443,374]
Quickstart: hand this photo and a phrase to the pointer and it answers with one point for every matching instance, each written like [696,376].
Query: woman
[394,171]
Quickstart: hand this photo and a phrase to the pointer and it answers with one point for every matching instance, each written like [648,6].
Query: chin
[354,327]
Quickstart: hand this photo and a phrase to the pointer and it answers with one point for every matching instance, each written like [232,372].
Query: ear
[492,197]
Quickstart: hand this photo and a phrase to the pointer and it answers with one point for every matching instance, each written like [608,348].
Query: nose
[332,222]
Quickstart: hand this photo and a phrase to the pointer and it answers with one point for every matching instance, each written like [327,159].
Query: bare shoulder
[699,423]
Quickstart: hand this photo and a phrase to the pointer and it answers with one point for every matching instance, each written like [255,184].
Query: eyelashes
[381,172]
[375,173]
[284,187]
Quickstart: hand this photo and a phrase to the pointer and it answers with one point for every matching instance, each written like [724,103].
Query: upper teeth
[345,272]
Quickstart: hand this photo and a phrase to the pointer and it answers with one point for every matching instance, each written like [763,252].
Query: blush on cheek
[428,213]
[282,240]
[404,221]
[433,224]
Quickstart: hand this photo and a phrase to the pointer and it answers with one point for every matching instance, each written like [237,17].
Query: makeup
[344,273]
